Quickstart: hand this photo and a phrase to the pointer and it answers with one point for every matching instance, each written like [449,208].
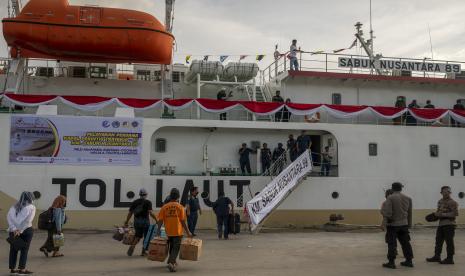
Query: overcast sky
[236,27]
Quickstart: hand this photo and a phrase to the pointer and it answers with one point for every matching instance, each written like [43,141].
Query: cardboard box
[191,249]
[158,250]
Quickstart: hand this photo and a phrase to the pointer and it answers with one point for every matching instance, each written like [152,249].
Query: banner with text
[274,193]
[401,65]
[75,140]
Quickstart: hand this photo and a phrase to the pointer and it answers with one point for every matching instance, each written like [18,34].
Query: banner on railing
[276,192]
[75,140]
[401,65]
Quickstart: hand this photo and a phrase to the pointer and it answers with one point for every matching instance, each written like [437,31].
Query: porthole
[130,195]
[36,194]
[335,195]
[461,195]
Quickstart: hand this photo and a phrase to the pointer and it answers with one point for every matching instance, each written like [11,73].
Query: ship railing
[329,62]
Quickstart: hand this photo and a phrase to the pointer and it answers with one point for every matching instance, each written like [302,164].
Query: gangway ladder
[259,97]
[304,157]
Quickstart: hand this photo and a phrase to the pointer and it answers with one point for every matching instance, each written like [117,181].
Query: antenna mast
[371,30]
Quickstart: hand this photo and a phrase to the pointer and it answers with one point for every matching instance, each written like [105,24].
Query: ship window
[336,98]
[160,145]
[143,75]
[434,150]
[373,149]
[176,76]
[98,72]
[157,75]
[44,72]
[78,72]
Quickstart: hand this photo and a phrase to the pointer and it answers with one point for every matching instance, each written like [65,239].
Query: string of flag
[260,57]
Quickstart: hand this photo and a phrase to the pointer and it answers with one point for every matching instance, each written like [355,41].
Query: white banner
[401,65]
[274,193]
[75,140]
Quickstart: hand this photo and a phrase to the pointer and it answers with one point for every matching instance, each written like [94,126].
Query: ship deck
[275,253]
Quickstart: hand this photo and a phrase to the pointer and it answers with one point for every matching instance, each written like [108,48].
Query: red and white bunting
[92,103]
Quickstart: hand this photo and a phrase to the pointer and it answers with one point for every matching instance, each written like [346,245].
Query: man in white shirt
[293,56]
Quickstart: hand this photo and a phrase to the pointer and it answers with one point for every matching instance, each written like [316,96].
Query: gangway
[275,193]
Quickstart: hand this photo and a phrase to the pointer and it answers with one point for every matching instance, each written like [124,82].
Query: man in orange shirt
[173,215]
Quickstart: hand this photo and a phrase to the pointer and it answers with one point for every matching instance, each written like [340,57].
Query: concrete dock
[272,253]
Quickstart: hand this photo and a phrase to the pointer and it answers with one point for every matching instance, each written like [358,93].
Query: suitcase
[158,250]
[234,223]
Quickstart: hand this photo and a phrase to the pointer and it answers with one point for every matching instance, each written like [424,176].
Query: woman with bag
[57,212]
[20,217]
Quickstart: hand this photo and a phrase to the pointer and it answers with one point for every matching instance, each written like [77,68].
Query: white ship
[183,142]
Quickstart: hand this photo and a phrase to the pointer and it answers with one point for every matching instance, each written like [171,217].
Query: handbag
[17,243]
[431,217]
[58,240]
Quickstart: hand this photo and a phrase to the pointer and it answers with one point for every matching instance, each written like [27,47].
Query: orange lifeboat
[54,29]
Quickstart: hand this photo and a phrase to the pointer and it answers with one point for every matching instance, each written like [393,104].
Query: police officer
[447,212]
[244,160]
[397,210]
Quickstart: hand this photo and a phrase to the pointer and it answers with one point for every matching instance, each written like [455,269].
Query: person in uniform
[397,210]
[265,157]
[193,210]
[244,160]
[292,148]
[446,213]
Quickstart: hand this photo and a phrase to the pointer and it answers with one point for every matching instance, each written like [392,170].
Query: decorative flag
[317,52]
[205,58]
[260,57]
[343,49]
[188,58]
[223,58]
[242,57]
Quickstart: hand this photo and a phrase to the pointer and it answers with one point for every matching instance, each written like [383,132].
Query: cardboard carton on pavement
[191,249]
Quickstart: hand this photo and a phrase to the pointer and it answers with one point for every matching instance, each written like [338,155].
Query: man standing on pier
[447,212]
[397,210]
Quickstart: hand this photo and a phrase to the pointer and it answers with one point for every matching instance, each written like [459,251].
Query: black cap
[397,186]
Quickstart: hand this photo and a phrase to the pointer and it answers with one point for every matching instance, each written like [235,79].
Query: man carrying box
[173,215]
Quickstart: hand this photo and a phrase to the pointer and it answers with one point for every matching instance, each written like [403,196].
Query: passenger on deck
[244,160]
[293,56]
[304,142]
[428,104]
[325,162]
[411,121]
[400,103]
[265,157]
[221,96]
[278,99]
[457,106]
[286,113]
[277,153]
[292,148]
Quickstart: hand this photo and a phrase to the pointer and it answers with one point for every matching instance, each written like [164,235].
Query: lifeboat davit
[54,29]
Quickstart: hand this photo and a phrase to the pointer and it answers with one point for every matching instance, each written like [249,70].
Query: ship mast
[169,18]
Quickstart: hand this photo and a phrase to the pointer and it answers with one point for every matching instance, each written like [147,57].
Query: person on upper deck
[294,63]
[304,142]
[286,113]
[457,106]
[221,96]
[278,99]
[428,104]
[265,157]
[411,121]
[400,103]
[244,160]
[292,148]
[279,156]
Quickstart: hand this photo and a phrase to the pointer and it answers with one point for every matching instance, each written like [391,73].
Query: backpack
[46,220]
